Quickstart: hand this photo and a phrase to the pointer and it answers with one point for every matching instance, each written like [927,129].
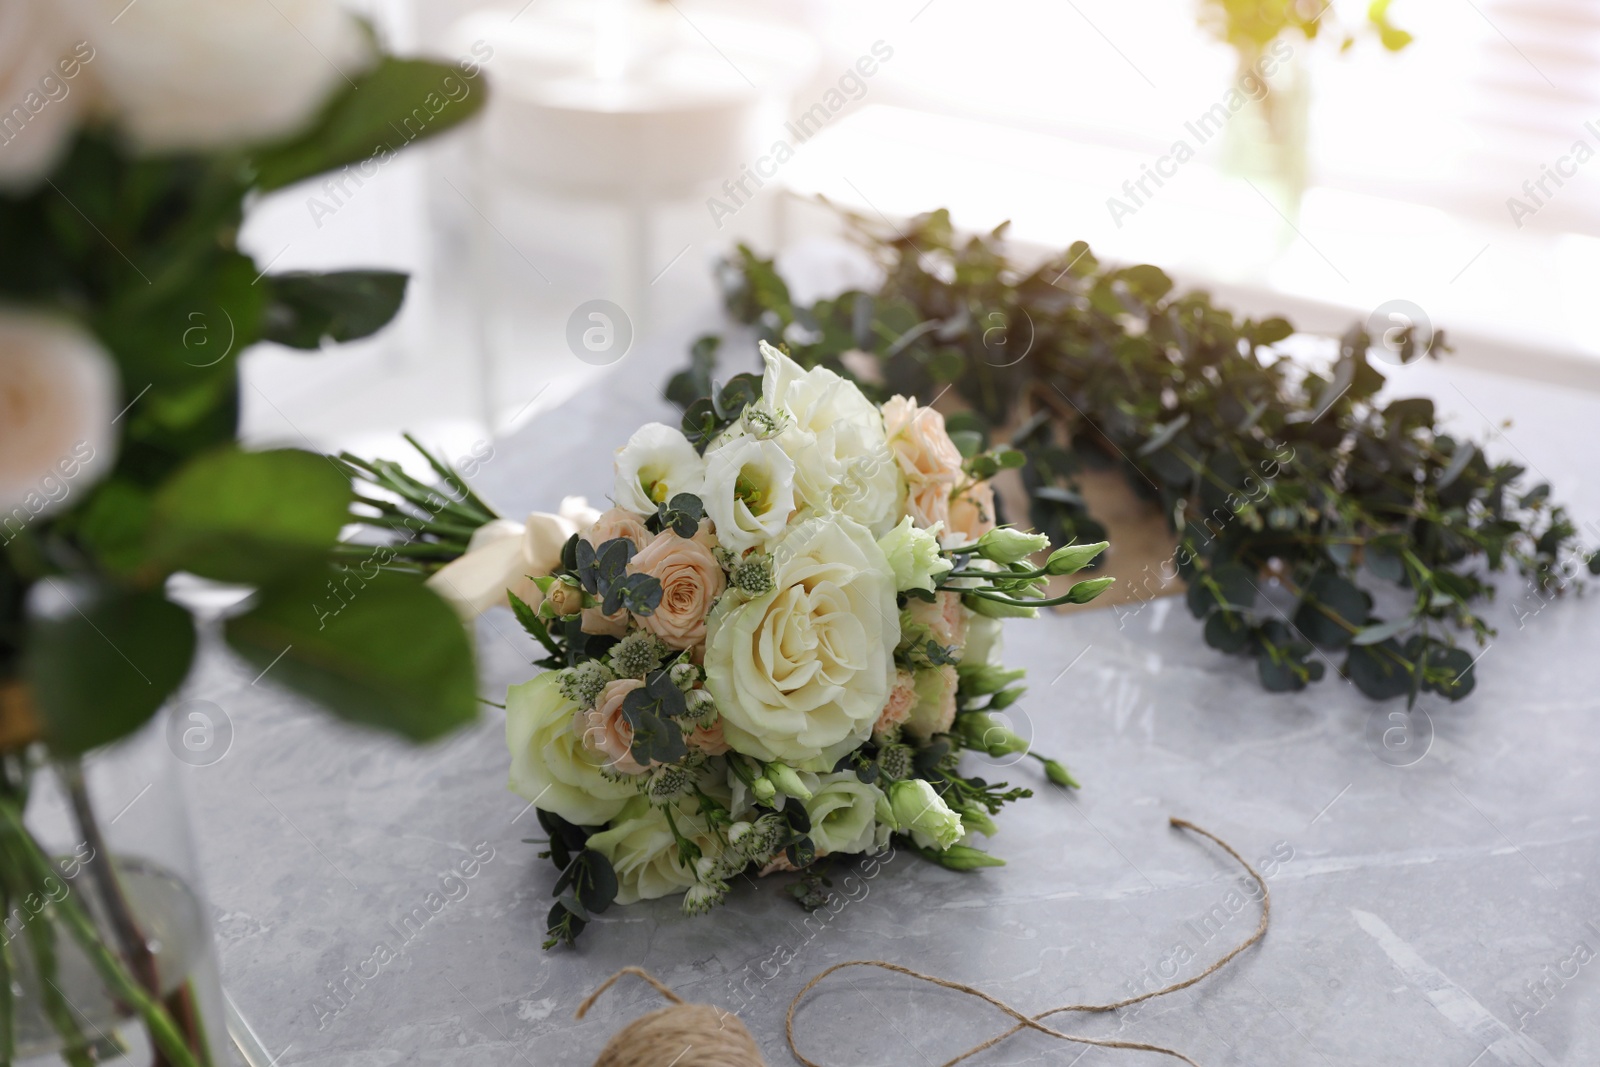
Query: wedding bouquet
[770,650]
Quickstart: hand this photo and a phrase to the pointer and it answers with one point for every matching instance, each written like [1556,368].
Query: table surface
[1435,900]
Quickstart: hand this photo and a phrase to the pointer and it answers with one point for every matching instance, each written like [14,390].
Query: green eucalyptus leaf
[307,309]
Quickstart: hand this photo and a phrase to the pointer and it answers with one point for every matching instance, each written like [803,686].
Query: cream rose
[607,732]
[549,764]
[43,87]
[58,395]
[835,436]
[801,672]
[644,853]
[656,464]
[748,491]
[691,581]
[843,813]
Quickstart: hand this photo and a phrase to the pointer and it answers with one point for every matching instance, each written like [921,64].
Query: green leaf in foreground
[307,308]
[395,102]
[102,660]
[248,516]
[387,653]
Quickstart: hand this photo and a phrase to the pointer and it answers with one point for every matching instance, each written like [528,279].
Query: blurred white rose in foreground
[58,395]
[42,92]
[197,74]
[173,75]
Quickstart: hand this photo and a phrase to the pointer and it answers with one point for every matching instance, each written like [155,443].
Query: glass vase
[106,942]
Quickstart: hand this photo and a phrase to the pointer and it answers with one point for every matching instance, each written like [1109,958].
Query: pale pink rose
[935,708]
[944,618]
[898,709]
[691,580]
[608,732]
[918,439]
[928,504]
[708,739]
[618,523]
[600,624]
[971,513]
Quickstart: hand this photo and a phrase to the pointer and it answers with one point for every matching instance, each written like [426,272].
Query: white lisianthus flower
[984,639]
[748,491]
[183,75]
[914,554]
[801,672]
[843,812]
[506,556]
[656,464]
[643,853]
[836,438]
[917,810]
[549,764]
[58,395]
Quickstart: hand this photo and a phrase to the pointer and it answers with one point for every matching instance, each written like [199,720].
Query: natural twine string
[1025,1022]
[699,1035]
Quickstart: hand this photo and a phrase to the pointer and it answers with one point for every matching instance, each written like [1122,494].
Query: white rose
[504,555]
[836,437]
[549,764]
[843,813]
[801,672]
[41,91]
[58,395]
[914,554]
[644,853]
[748,491]
[656,464]
[196,74]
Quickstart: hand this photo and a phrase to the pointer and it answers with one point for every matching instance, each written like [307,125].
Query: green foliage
[248,517]
[382,651]
[142,252]
[102,659]
[389,106]
[308,309]
[1375,521]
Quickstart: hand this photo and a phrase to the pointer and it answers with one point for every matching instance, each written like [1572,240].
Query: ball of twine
[682,1035]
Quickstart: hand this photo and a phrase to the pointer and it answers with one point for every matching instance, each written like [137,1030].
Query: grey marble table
[1436,899]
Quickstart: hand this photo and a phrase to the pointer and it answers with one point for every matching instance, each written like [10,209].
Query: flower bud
[1069,559]
[1083,592]
[976,820]
[1059,774]
[995,610]
[967,858]
[763,789]
[783,777]
[981,679]
[564,599]
[982,732]
[1005,544]
[919,811]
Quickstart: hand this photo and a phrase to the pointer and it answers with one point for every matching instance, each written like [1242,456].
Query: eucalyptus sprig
[1380,527]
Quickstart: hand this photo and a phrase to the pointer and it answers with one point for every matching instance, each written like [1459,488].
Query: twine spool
[682,1035]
